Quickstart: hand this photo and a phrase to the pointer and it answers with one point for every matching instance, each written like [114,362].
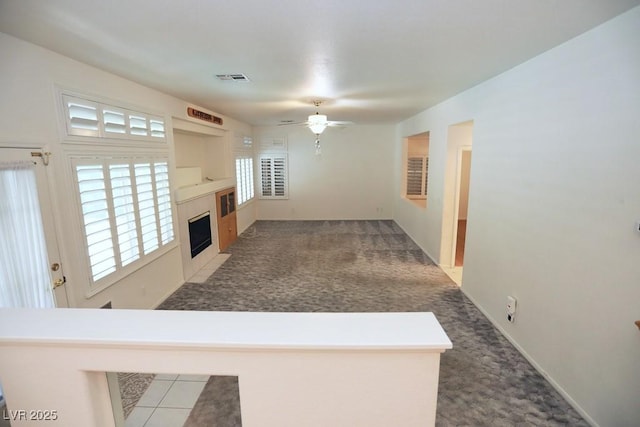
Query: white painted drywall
[553,201]
[29,106]
[352,179]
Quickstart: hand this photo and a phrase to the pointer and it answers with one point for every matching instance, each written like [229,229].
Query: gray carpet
[373,266]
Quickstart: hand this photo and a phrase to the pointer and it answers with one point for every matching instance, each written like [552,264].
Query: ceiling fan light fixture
[317,123]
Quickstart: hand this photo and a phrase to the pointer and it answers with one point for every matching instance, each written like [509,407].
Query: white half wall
[352,179]
[553,202]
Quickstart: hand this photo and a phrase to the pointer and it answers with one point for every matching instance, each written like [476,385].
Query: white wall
[553,201]
[352,179]
[29,79]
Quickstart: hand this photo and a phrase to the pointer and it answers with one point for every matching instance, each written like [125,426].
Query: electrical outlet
[511,309]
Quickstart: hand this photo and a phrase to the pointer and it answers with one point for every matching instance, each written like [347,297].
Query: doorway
[460,223]
[32,272]
[455,213]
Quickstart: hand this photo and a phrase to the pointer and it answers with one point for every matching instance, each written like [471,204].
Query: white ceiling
[371,60]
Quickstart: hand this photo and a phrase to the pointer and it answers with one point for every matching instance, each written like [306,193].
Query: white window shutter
[266,177]
[244,178]
[163,192]
[96,219]
[425,172]
[138,125]
[274,177]
[114,121]
[157,128]
[414,176]
[146,207]
[279,177]
[81,117]
[125,212]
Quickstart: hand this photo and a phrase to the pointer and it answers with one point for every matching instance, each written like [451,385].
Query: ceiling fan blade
[292,124]
[338,123]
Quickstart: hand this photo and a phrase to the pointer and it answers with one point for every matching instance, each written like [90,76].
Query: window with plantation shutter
[417,173]
[273,176]
[415,164]
[90,118]
[126,211]
[244,178]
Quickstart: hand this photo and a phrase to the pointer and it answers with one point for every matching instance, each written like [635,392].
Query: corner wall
[553,201]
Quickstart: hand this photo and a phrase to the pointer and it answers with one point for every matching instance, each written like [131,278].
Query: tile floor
[168,401]
[170,397]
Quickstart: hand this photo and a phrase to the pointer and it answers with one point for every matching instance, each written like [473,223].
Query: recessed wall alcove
[201,169]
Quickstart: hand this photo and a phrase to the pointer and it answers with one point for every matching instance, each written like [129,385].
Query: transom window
[89,118]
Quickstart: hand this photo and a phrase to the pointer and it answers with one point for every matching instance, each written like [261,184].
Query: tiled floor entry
[168,401]
[168,398]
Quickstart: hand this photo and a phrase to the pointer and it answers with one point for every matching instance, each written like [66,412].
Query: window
[417,175]
[244,178]
[273,176]
[94,119]
[416,168]
[126,211]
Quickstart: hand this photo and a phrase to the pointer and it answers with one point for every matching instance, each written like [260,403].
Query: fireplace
[200,233]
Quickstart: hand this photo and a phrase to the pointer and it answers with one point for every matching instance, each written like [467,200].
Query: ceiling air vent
[234,77]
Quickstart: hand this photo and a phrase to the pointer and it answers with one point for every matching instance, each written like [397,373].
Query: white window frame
[162,215]
[273,183]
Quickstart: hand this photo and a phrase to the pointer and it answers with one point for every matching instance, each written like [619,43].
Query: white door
[33,234]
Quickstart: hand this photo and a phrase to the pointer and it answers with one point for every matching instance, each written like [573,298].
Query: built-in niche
[203,151]
[202,168]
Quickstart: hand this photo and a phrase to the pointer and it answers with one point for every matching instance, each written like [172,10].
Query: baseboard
[423,249]
[167,295]
[536,366]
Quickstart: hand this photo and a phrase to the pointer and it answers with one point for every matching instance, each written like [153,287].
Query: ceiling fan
[317,122]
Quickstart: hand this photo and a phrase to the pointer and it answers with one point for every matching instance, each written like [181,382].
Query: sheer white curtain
[25,280]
